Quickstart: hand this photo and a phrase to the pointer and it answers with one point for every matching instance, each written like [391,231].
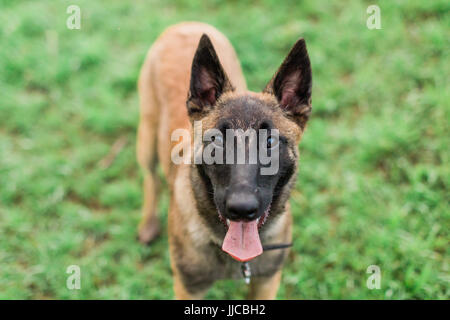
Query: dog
[220,215]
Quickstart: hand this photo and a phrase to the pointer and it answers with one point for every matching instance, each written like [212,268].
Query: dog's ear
[208,79]
[292,83]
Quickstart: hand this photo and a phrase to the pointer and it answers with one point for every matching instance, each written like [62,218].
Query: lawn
[373,186]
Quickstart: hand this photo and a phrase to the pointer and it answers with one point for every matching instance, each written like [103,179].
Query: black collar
[245,267]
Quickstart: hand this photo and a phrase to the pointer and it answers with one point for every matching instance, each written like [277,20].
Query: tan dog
[219,214]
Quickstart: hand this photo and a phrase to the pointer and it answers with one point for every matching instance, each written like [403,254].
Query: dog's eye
[272,142]
[217,140]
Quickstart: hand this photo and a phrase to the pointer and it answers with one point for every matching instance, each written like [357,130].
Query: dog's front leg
[192,267]
[191,281]
[264,288]
[183,293]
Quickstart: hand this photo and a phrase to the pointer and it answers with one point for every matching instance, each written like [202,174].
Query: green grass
[374,177]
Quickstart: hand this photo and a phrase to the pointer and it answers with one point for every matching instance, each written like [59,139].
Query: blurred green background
[373,186]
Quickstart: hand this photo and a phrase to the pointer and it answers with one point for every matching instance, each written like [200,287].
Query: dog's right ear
[208,79]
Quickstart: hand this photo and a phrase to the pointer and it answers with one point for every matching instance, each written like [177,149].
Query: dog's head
[261,126]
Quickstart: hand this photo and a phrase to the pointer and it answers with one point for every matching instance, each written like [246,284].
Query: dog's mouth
[242,239]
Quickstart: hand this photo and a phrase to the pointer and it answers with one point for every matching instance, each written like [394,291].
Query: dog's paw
[149,232]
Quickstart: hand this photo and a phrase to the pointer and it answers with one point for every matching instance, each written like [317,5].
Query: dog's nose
[242,206]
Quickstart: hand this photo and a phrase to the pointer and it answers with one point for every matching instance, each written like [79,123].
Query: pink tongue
[242,240]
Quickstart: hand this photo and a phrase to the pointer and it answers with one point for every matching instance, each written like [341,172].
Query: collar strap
[276,246]
[245,267]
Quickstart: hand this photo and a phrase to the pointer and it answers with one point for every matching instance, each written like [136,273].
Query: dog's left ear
[208,79]
[292,84]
